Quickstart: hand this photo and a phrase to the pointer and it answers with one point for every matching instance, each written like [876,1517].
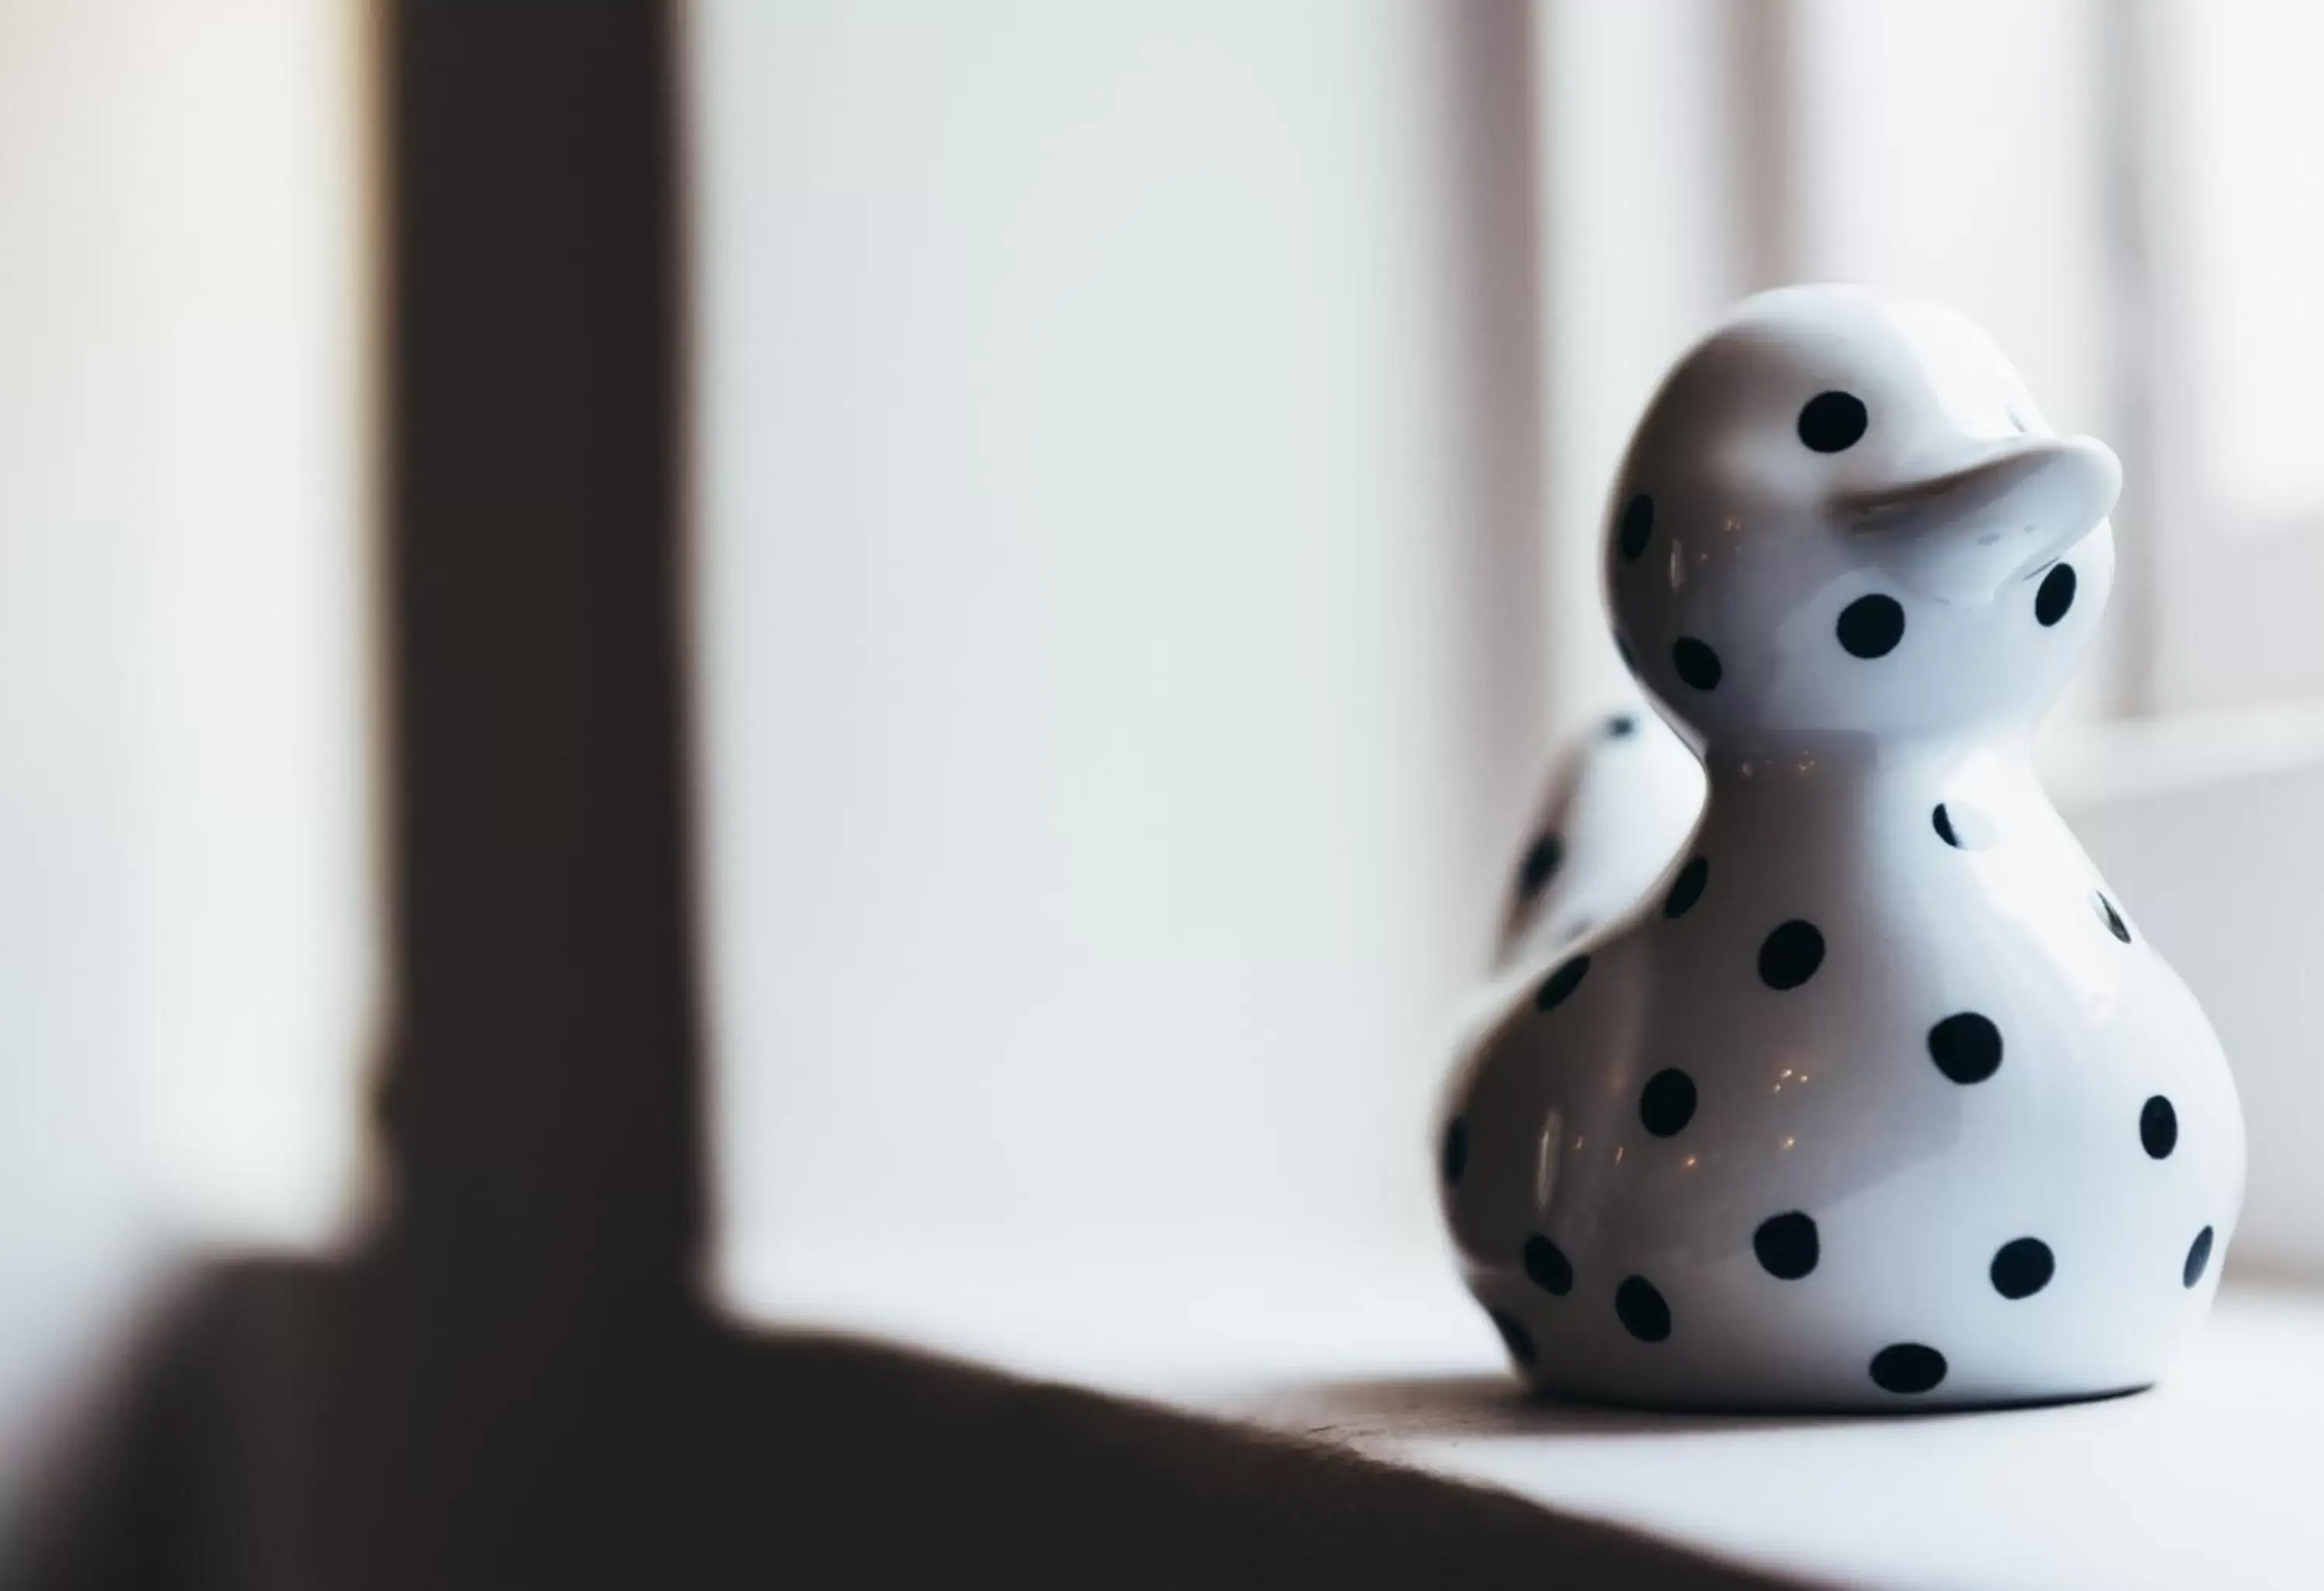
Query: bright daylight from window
[1084,754]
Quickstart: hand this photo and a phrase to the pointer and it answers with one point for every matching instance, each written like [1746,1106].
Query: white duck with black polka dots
[1879,1099]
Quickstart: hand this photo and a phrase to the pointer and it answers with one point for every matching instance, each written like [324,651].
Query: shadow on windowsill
[268,1437]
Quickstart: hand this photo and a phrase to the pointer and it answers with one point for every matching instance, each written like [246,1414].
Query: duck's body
[1880,1100]
[1820,1113]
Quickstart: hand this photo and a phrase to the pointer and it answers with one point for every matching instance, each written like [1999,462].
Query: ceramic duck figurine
[1879,1099]
[1620,799]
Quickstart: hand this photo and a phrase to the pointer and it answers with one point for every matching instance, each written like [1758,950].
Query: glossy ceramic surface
[1619,802]
[1878,1099]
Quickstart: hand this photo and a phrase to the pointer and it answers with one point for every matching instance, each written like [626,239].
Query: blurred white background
[1119,504]
[187,919]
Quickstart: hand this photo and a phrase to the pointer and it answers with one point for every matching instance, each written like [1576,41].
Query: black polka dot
[1666,1104]
[1786,1245]
[1546,1263]
[2198,1256]
[1539,866]
[1621,726]
[1514,1334]
[2056,596]
[1965,1047]
[1907,1368]
[1637,526]
[1643,1313]
[2022,1267]
[1454,1158]
[1943,821]
[1790,955]
[1697,664]
[1832,422]
[1687,887]
[1871,626]
[2110,917]
[1964,828]
[2158,1128]
[1561,983]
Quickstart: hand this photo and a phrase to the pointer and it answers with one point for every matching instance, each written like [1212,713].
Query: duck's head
[1843,515]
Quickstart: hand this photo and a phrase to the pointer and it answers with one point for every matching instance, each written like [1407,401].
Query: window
[185,850]
[1124,435]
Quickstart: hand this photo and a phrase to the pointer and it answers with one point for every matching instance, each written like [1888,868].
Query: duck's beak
[1962,536]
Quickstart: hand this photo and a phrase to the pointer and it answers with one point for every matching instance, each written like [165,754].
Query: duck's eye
[1832,422]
